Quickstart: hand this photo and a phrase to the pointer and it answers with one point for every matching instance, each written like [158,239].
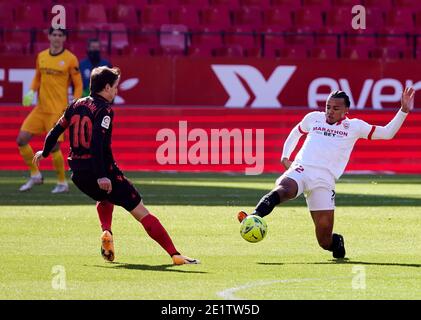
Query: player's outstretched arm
[388,132]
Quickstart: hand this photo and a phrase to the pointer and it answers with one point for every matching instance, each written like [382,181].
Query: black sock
[267,203]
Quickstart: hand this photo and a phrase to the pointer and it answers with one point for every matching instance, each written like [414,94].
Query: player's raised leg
[286,190]
[156,231]
[323,222]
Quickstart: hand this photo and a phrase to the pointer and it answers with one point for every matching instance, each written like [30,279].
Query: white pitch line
[229,294]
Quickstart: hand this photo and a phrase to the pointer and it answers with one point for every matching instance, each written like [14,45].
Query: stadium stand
[257,28]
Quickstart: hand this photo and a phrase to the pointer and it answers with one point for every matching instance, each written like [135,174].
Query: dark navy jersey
[90,123]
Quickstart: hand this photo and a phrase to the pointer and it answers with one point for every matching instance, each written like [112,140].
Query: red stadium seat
[227,3]
[6,15]
[200,51]
[138,4]
[243,37]
[207,37]
[299,52]
[229,51]
[187,15]
[108,4]
[385,53]
[273,36]
[286,4]
[418,21]
[278,17]
[126,14]
[400,18]
[272,41]
[86,31]
[31,12]
[92,13]
[119,38]
[339,18]
[360,38]
[300,36]
[146,35]
[247,16]
[77,48]
[14,49]
[375,18]
[410,4]
[344,3]
[168,3]
[393,37]
[322,53]
[155,15]
[355,53]
[328,36]
[320,4]
[40,46]
[197,3]
[380,4]
[308,18]
[258,3]
[215,17]
[21,32]
[140,50]
[174,37]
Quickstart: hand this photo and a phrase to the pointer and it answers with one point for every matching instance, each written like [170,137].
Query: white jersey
[327,145]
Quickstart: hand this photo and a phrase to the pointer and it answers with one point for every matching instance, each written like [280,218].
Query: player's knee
[286,193]
[22,139]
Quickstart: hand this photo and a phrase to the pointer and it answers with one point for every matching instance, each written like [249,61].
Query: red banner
[247,141]
[240,82]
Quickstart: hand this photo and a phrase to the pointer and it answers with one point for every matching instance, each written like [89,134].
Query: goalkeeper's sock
[27,154]
[58,163]
[267,203]
[156,231]
[105,214]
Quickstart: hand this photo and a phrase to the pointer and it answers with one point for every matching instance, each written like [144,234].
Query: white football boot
[61,188]
[32,181]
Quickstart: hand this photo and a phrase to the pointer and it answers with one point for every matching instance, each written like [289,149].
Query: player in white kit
[322,159]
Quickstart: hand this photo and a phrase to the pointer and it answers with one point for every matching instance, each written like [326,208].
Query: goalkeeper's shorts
[38,122]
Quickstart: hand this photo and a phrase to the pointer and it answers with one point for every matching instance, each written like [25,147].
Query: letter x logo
[266,92]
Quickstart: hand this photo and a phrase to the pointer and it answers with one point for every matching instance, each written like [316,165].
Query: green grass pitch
[50,243]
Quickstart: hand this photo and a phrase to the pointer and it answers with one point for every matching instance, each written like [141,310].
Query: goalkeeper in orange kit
[56,69]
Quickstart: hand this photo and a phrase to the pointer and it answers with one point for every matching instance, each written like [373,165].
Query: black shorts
[123,192]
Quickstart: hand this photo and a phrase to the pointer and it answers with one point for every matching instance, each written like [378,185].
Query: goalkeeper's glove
[28,98]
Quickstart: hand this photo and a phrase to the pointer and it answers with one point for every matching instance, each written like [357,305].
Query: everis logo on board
[242,81]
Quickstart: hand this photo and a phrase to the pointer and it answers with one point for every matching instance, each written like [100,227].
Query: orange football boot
[107,246]
[241,216]
[178,259]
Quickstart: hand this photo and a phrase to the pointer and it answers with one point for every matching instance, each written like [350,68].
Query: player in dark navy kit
[94,171]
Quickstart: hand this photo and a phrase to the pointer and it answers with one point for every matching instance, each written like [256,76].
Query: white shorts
[317,184]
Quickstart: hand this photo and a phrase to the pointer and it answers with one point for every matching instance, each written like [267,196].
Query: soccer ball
[253,228]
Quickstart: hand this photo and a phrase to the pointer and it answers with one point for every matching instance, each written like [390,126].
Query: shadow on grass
[145,267]
[346,261]
[158,190]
